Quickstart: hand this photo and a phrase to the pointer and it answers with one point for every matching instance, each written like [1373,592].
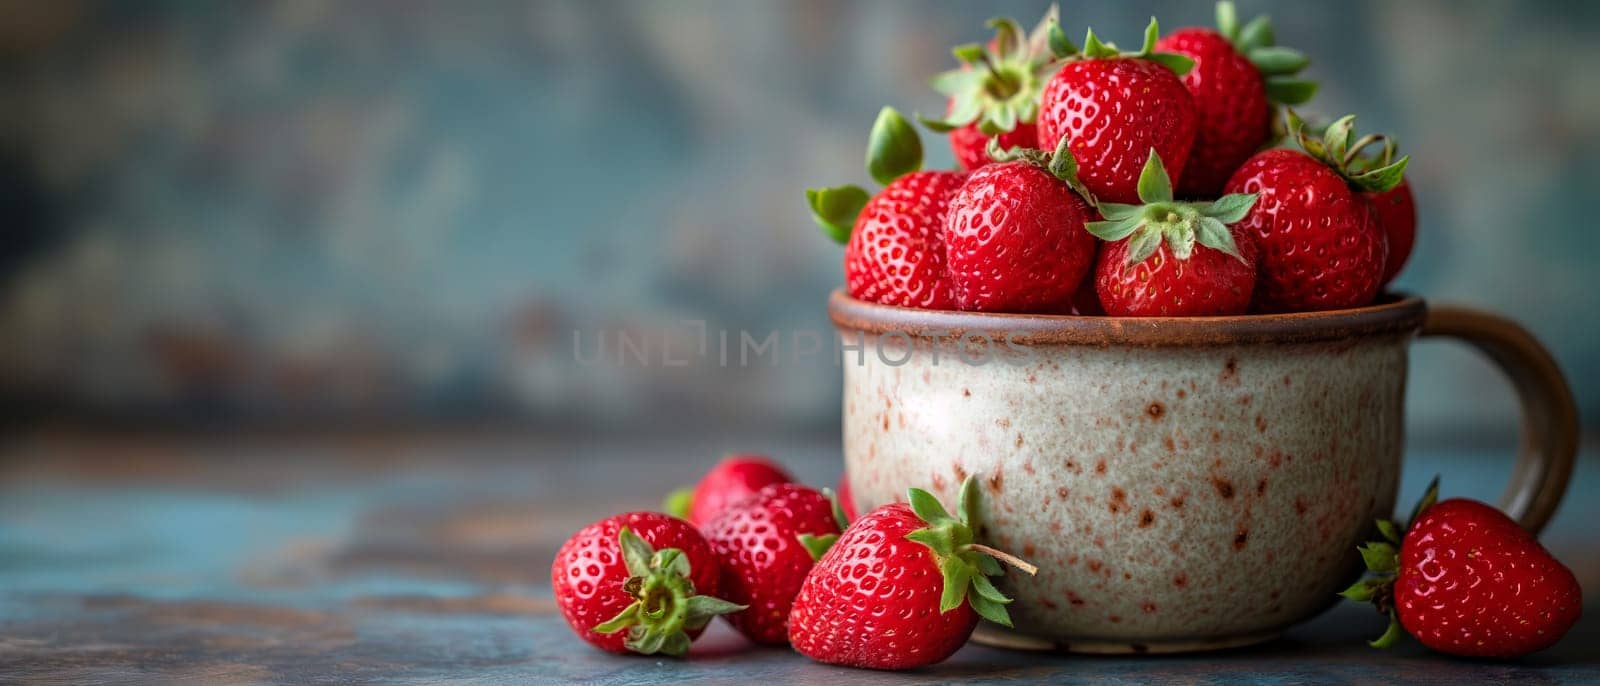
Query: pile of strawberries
[1097,181]
[898,588]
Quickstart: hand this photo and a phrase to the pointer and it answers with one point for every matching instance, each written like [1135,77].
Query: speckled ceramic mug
[1184,484]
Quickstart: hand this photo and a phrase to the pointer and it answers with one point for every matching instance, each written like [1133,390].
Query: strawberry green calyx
[677,503]
[1061,164]
[1094,48]
[1382,559]
[893,150]
[1160,218]
[998,86]
[1339,148]
[816,545]
[965,564]
[1278,65]
[665,606]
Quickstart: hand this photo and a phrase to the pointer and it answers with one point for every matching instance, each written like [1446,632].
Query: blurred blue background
[385,212]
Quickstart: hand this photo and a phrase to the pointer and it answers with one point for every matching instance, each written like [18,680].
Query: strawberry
[846,499]
[1113,108]
[765,545]
[1321,246]
[1014,237]
[1396,210]
[893,591]
[646,572]
[1173,259]
[994,94]
[1238,77]
[894,254]
[735,478]
[1467,580]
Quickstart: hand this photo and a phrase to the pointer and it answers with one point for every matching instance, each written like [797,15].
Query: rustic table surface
[426,560]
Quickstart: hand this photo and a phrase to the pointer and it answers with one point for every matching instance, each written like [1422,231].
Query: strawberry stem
[1027,567]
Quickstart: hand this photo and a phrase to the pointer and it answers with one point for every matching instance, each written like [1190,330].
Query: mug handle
[1549,415]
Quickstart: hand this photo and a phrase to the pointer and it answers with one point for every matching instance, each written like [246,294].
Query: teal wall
[376,209]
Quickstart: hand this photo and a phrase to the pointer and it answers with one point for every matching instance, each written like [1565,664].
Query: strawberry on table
[994,95]
[735,478]
[1320,244]
[640,582]
[903,587]
[765,545]
[1173,259]
[1237,79]
[1467,580]
[1014,237]
[1114,108]
[894,254]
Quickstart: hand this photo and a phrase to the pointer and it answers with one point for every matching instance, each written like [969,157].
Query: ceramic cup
[1184,484]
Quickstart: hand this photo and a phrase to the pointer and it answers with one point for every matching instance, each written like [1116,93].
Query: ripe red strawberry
[1113,108]
[894,252]
[1467,580]
[765,545]
[1238,76]
[1396,210]
[893,591]
[646,572]
[1397,215]
[846,499]
[994,94]
[1015,238]
[1319,240]
[735,478]
[1173,259]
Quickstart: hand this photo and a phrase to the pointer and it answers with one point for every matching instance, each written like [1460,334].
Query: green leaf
[835,211]
[967,500]
[893,149]
[1212,233]
[628,617]
[1389,532]
[677,502]
[1180,240]
[1093,48]
[956,81]
[985,588]
[1429,497]
[671,560]
[706,606]
[937,539]
[676,644]
[990,610]
[1002,118]
[1289,91]
[646,642]
[1152,33]
[1115,230]
[989,566]
[817,545]
[1361,591]
[1008,38]
[1379,557]
[1114,211]
[1277,61]
[1154,184]
[1230,208]
[968,53]
[1383,178]
[1063,164]
[1228,21]
[1179,64]
[926,506]
[957,574]
[1142,246]
[1390,635]
[1256,34]
[636,553]
[1060,45]
[1336,139]
[940,125]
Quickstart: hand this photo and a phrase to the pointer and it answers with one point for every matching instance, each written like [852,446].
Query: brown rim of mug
[1392,314]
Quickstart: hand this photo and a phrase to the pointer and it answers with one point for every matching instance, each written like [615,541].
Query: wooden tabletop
[425,559]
